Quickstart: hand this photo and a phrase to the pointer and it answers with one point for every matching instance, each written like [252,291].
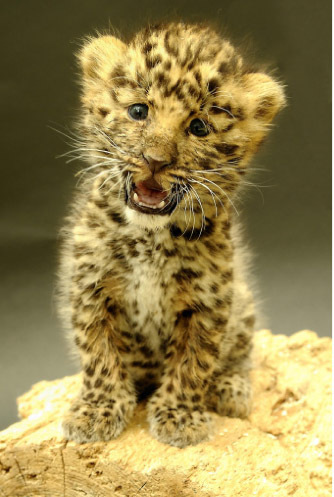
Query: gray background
[289,229]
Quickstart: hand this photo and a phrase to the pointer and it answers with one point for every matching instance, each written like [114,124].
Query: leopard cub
[151,283]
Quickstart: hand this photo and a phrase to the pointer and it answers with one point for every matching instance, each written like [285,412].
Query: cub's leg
[177,411]
[107,398]
[229,393]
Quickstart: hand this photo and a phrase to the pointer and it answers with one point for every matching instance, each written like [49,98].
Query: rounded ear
[265,94]
[99,55]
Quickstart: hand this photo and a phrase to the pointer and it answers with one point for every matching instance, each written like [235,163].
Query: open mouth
[150,198]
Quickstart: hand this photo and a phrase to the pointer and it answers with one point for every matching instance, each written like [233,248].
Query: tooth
[162,203]
[135,197]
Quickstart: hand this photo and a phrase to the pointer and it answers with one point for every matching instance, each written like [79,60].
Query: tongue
[150,192]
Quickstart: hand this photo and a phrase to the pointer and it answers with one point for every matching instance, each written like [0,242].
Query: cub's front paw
[86,422]
[178,427]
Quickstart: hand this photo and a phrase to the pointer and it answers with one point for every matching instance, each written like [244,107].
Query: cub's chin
[146,221]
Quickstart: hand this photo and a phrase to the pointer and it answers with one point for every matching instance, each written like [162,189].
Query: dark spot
[214,288]
[223,68]
[162,80]
[104,112]
[167,65]
[226,148]
[192,91]
[198,77]
[147,47]
[152,62]
[187,313]
[243,340]
[108,388]
[235,161]
[192,234]
[101,204]
[265,108]
[145,365]
[105,371]
[127,335]
[213,85]
[200,306]
[228,128]
[90,370]
[213,267]
[187,274]
[146,351]
[249,321]
[139,338]
[116,217]
[239,114]
[202,364]
[118,72]
[112,308]
[87,384]
[170,253]
[169,354]
[89,396]
[226,277]
[170,388]
[220,321]
[180,95]
[123,375]
[205,163]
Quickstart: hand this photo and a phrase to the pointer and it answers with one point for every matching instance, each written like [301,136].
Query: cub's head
[171,119]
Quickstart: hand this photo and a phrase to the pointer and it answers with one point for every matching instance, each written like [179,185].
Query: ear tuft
[266,94]
[99,55]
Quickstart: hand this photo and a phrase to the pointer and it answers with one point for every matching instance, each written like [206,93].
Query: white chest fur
[150,290]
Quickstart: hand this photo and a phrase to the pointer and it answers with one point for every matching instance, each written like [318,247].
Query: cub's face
[172,118]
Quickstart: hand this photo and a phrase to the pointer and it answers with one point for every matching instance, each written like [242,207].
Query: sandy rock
[283,449]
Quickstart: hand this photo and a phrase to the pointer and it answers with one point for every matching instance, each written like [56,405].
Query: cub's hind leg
[230,393]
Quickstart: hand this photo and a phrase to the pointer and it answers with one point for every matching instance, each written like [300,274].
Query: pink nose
[155,164]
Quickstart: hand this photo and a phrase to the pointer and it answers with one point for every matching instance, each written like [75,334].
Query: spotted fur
[156,301]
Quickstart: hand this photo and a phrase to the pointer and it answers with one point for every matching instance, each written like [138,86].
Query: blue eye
[138,112]
[198,127]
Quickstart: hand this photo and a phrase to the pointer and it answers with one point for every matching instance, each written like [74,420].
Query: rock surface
[283,449]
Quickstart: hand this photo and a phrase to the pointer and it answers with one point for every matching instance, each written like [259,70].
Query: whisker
[225,110]
[80,142]
[190,196]
[211,193]
[186,200]
[226,195]
[86,169]
[112,143]
[85,149]
[201,206]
